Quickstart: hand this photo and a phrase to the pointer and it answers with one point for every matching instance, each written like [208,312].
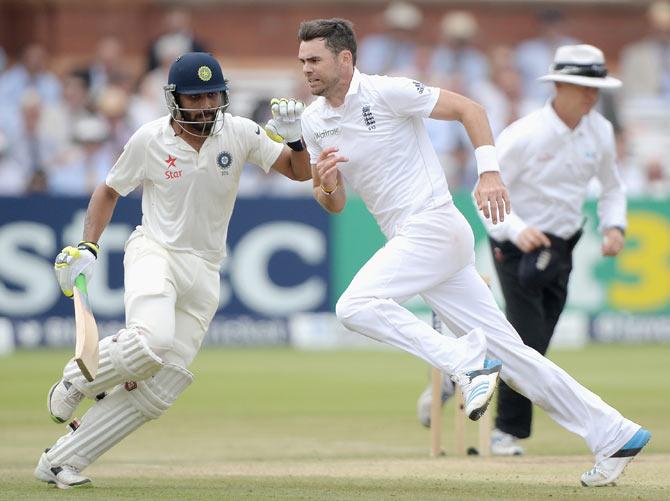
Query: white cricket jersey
[547,168]
[379,128]
[188,196]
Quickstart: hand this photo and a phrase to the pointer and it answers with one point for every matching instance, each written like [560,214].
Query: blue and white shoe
[478,387]
[606,471]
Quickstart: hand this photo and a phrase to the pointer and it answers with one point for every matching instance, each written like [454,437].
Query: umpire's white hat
[582,65]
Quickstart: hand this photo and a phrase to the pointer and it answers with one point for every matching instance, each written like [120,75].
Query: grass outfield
[281,424]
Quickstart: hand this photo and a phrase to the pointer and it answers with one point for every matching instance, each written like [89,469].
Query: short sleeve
[261,150]
[128,171]
[406,97]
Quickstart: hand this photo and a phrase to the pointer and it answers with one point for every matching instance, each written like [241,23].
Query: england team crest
[224,161]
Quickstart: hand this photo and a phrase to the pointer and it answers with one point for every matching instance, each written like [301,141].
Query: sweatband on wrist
[296,145]
[487,160]
[90,246]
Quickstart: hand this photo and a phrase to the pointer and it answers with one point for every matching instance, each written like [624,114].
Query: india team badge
[204,73]
[223,160]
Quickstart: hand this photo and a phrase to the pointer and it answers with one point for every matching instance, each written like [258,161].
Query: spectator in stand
[502,95]
[13,179]
[534,56]
[177,27]
[394,47]
[110,66]
[29,73]
[114,105]
[150,101]
[87,164]
[57,120]
[645,65]
[31,145]
[457,58]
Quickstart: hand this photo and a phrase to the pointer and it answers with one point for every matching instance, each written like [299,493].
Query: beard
[202,122]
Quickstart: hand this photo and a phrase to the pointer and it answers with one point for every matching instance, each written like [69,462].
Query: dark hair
[549,16]
[338,34]
[83,75]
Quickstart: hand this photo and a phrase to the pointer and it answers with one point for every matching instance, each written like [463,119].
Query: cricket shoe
[426,397]
[478,387]
[63,477]
[63,400]
[504,444]
[606,471]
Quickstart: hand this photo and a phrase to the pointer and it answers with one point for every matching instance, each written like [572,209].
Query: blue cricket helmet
[196,73]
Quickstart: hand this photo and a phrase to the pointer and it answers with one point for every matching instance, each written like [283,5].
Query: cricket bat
[86,346]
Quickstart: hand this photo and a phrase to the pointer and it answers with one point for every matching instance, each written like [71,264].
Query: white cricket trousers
[432,254]
[170,297]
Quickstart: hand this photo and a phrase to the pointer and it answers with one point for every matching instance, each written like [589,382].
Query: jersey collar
[554,120]
[354,85]
[559,125]
[168,131]
[329,111]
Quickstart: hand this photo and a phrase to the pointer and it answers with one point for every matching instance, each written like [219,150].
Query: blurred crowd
[61,135]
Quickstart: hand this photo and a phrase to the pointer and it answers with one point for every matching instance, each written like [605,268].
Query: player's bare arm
[99,212]
[490,193]
[293,164]
[72,261]
[327,181]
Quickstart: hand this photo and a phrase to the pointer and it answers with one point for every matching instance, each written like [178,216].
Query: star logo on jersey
[224,160]
[172,163]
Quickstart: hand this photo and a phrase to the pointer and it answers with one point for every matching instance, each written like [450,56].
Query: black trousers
[534,314]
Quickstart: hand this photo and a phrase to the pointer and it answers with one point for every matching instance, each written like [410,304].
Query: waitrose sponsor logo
[327,133]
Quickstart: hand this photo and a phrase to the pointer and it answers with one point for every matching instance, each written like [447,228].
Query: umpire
[547,159]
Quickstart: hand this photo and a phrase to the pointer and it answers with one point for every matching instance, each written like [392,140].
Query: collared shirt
[547,168]
[188,196]
[379,128]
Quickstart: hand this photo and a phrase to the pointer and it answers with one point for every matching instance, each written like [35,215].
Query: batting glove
[73,261]
[284,126]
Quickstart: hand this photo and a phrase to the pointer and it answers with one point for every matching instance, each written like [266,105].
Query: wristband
[487,160]
[296,145]
[92,247]
[331,191]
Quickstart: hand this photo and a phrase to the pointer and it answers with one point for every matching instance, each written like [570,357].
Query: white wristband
[487,160]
